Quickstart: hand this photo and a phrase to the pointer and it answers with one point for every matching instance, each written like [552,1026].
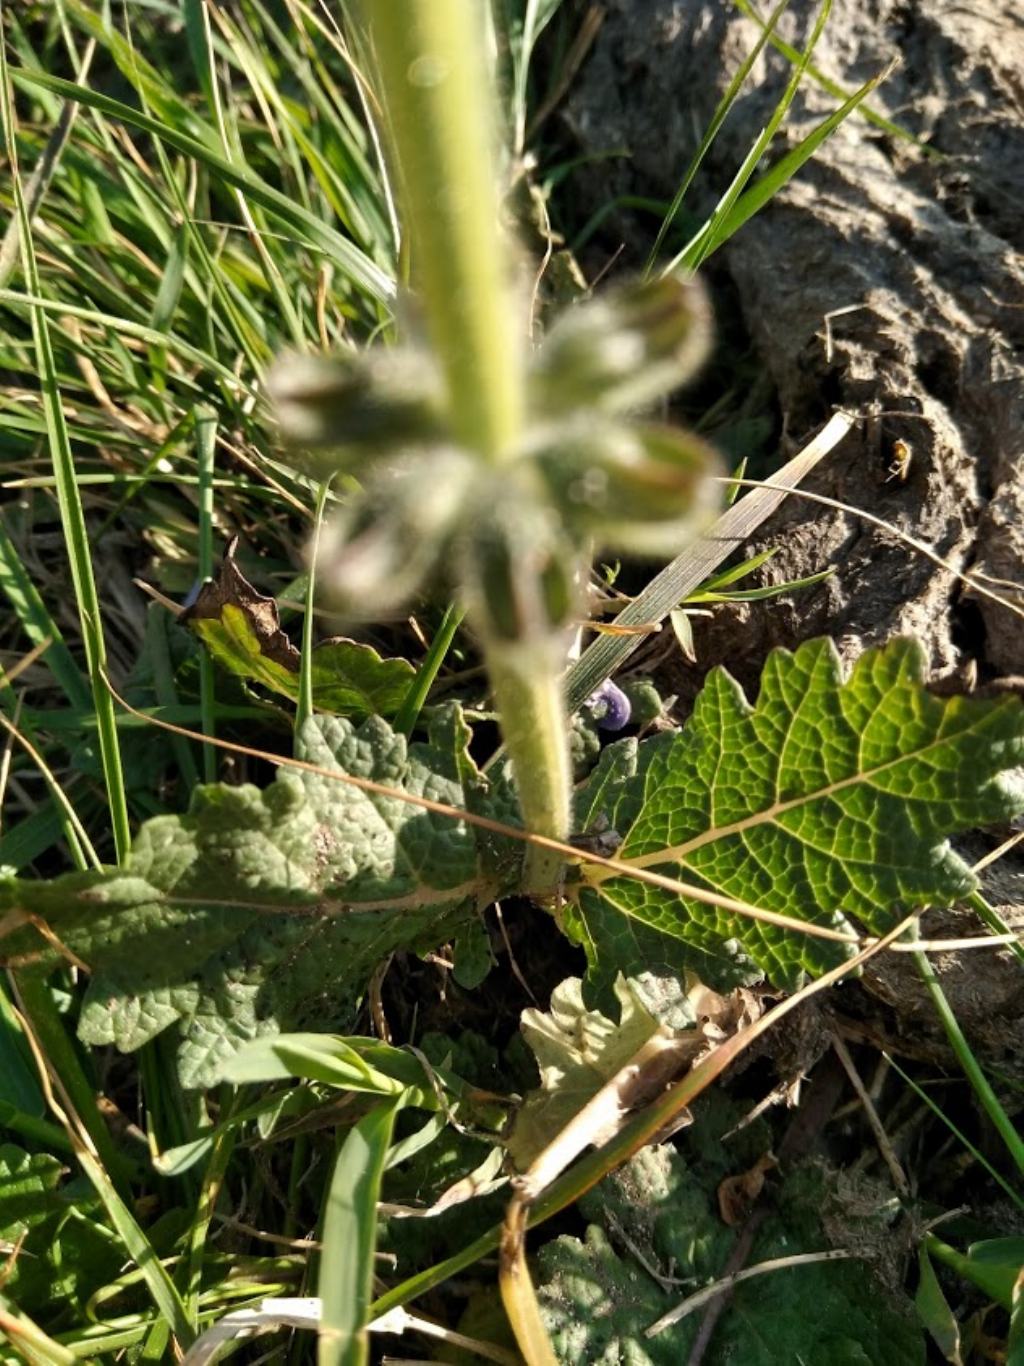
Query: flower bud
[625,348]
[521,573]
[382,547]
[638,489]
[359,406]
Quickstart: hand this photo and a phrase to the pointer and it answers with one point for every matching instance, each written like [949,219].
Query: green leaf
[934,1312]
[658,1216]
[829,801]
[65,1254]
[577,1051]
[241,629]
[262,911]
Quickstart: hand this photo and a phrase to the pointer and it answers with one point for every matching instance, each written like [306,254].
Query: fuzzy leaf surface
[830,800]
[658,1214]
[262,911]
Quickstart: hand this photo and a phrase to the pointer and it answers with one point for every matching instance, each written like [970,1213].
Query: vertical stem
[435,78]
[206,446]
[437,86]
[533,722]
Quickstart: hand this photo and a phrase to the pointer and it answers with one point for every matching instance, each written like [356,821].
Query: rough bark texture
[924,247]
[923,251]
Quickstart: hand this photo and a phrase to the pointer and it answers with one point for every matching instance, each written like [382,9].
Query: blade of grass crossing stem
[698,248]
[773,180]
[1001,1121]
[304,705]
[717,119]
[995,922]
[45,1023]
[71,511]
[206,447]
[92,1144]
[690,569]
[419,688]
[350,1238]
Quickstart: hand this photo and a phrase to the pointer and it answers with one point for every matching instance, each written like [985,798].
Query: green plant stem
[1001,1121]
[436,83]
[532,709]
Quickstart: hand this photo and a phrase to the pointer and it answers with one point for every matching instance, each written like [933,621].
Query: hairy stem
[434,76]
[435,79]
[532,711]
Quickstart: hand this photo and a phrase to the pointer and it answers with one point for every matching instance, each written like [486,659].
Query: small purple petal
[189,600]
[611,706]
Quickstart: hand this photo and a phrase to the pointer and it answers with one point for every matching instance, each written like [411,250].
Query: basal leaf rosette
[830,800]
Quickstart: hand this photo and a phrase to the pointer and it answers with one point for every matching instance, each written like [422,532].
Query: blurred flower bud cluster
[517,535]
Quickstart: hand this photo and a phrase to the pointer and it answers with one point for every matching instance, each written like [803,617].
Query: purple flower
[610,706]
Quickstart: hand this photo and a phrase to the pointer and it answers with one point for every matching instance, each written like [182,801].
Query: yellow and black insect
[899,468]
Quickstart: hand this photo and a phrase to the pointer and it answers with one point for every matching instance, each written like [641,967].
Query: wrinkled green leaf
[830,801]
[598,1297]
[263,911]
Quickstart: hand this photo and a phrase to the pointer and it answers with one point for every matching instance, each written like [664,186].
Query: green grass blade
[937,1110]
[408,713]
[37,1347]
[700,246]
[990,1103]
[206,442]
[71,510]
[773,180]
[126,327]
[350,1239]
[893,130]
[158,650]
[358,268]
[39,1009]
[38,625]
[717,119]
[991,917]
